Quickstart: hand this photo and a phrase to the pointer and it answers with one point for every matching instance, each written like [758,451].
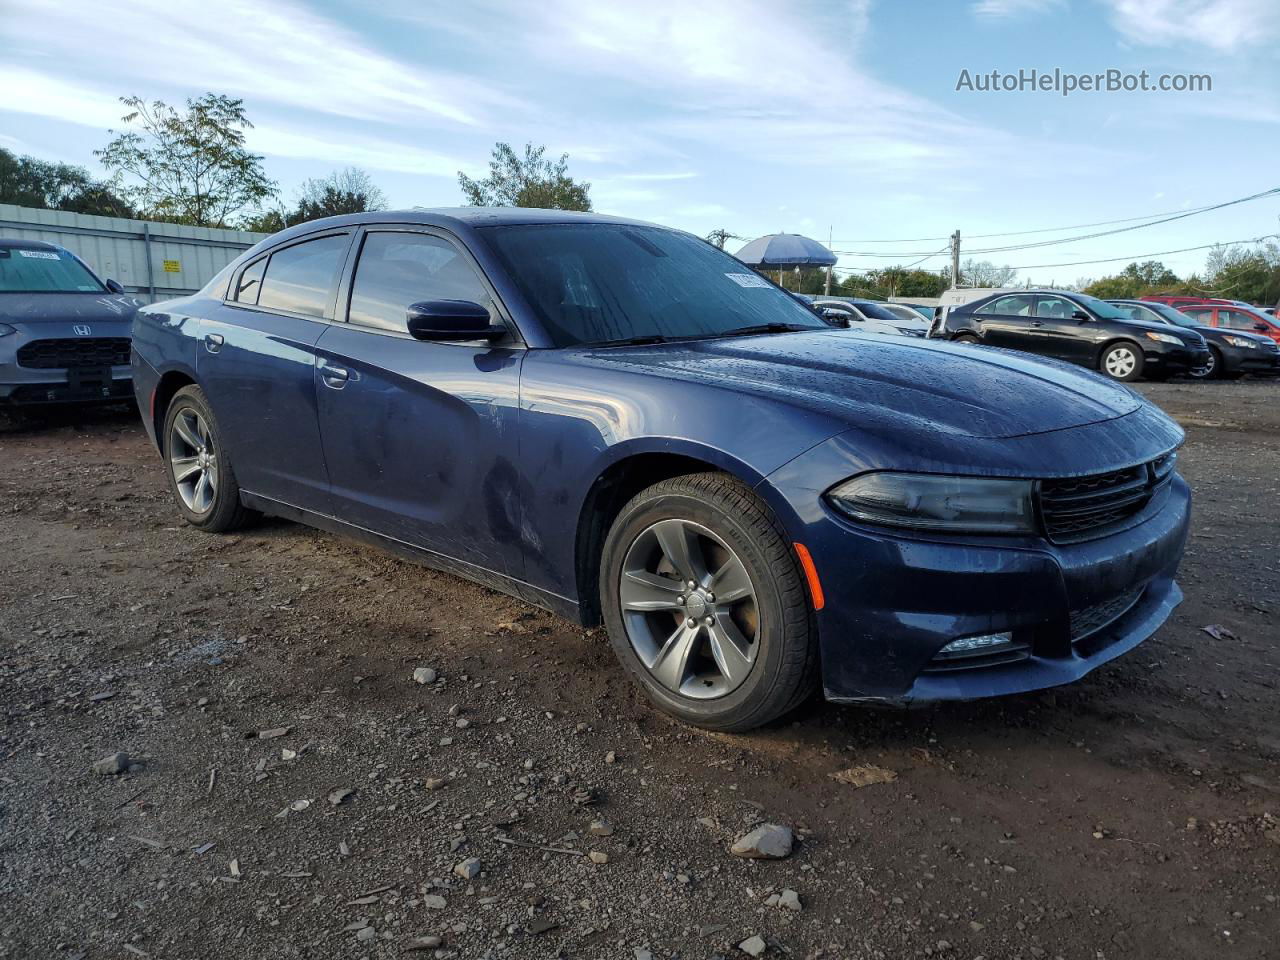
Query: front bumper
[1259,361]
[894,599]
[1174,359]
[22,385]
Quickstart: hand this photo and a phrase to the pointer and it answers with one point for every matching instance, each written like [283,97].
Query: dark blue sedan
[623,424]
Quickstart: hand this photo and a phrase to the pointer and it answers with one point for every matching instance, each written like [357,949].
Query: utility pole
[955,259]
[826,289]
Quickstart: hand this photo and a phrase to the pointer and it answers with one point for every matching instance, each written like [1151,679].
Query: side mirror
[451,321]
[1080,315]
[1261,328]
[115,286]
[836,317]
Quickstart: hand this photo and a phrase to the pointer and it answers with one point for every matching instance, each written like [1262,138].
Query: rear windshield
[604,282]
[23,270]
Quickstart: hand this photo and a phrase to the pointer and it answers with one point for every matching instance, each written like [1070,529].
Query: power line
[1170,215]
[1143,256]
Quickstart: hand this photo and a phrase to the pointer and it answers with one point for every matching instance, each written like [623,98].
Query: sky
[838,119]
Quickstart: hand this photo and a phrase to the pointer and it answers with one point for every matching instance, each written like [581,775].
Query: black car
[1080,329]
[1232,353]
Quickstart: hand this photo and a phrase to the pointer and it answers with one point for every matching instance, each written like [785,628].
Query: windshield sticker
[747,280]
[38,254]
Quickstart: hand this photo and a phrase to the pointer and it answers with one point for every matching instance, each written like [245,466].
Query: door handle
[213,342]
[1036,323]
[335,377]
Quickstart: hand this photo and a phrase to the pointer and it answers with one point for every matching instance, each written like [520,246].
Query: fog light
[979,644]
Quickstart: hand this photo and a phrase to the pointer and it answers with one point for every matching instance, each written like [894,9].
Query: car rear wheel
[705,603]
[200,473]
[1211,370]
[965,338]
[1121,361]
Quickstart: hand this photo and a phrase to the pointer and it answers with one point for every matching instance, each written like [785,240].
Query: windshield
[605,282]
[905,313]
[1172,315]
[26,270]
[1101,308]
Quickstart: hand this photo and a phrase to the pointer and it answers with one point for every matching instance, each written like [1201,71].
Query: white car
[872,317]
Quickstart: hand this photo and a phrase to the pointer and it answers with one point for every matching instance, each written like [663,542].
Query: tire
[207,494]
[746,660]
[1211,370]
[1121,361]
[965,338]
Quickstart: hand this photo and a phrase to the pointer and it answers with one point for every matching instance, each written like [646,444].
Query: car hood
[1224,331]
[66,307]
[891,384]
[1185,334]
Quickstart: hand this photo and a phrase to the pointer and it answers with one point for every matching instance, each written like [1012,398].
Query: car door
[1006,322]
[421,437]
[256,363]
[1064,335]
[1247,322]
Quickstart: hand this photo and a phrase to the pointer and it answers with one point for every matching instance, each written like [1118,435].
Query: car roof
[14,243]
[452,218]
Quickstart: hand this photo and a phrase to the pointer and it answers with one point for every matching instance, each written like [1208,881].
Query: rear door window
[1015,306]
[301,278]
[397,269]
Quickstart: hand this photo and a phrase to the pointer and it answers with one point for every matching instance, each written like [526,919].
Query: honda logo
[82,330]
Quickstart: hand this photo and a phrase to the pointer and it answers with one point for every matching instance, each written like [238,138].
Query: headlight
[5,329]
[911,331]
[1164,338]
[1242,342]
[931,502]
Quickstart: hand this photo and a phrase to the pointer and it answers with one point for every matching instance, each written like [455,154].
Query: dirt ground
[251,676]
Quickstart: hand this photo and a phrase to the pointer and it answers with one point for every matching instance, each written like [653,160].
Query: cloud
[280,53]
[1005,9]
[1222,25]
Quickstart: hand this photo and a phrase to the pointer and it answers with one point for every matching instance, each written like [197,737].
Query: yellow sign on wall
[172,266]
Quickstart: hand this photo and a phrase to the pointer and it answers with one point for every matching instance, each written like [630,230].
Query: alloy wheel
[689,609]
[1121,362]
[193,460]
[1210,365]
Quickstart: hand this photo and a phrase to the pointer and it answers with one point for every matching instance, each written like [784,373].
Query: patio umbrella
[783,251]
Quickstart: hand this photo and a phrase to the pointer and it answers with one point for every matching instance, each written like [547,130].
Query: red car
[1233,317]
[1180,301]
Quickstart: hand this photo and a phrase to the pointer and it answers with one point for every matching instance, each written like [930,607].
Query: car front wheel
[1212,368]
[1122,361]
[200,473]
[705,603]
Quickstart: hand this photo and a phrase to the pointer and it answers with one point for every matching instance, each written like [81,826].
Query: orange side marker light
[811,574]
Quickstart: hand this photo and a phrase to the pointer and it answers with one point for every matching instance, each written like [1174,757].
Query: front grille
[74,352]
[1089,620]
[1077,508]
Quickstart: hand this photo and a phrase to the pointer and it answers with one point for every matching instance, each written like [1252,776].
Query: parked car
[1232,353]
[1179,301]
[869,316]
[621,423]
[1080,329]
[64,334]
[1241,318]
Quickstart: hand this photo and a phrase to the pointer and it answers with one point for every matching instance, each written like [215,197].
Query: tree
[1249,273]
[343,191]
[984,273]
[1150,273]
[29,182]
[187,167]
[1114,288]
[530,182]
